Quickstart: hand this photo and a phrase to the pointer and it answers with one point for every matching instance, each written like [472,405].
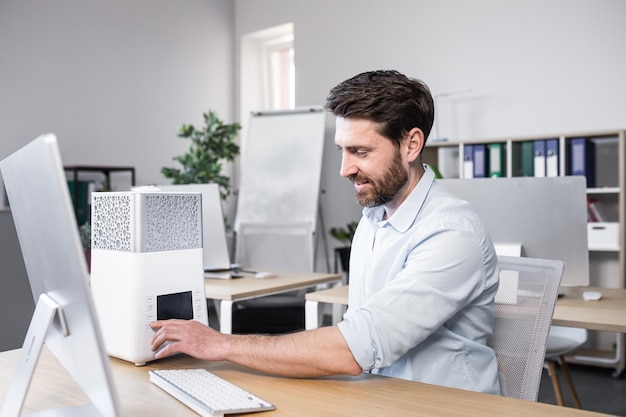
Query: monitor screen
[64,316]
[547,216]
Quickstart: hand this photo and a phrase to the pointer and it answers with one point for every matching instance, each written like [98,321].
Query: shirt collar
[404,216]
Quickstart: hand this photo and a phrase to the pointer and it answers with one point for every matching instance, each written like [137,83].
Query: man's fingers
[165,332]
[166,350]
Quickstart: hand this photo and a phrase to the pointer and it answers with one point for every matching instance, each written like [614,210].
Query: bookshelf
[80,190]
[606,192]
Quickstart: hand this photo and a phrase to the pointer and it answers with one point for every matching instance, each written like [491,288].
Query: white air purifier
[146,265]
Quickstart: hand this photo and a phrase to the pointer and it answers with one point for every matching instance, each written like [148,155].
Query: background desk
[367,395]
[228,291]
[337,296]
[608,313]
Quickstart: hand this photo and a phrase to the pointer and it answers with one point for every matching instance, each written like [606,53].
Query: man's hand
[186,336]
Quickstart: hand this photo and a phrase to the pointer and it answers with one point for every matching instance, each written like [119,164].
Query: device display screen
[175,306]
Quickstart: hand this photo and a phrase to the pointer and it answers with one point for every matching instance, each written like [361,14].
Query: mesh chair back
[523,313]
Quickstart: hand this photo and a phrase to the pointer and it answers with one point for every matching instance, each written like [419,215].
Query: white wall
[113,79]
[533,66]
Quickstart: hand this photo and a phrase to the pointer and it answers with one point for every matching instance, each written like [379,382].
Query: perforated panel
[172,222]
[146,222]
[522,323]
[111,222]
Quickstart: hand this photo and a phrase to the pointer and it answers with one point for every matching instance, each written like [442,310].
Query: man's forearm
[310,353]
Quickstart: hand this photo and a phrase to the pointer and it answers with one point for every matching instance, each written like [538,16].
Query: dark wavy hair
[394,101]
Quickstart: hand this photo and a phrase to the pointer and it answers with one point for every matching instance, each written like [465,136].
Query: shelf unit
[607,260]
[73,173]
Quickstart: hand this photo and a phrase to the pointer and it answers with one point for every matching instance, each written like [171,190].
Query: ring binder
[582,160]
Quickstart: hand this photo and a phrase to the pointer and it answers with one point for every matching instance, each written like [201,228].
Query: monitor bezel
[65,318]
[546,215]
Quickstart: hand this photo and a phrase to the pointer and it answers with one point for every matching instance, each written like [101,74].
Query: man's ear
[415,144]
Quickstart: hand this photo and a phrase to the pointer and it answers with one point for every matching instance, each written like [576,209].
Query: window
[267,70]
[281,74]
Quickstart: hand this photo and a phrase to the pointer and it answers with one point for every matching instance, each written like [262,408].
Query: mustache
[355,178]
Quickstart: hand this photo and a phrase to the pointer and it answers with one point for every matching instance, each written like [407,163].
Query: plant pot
[343,254]
[88,259]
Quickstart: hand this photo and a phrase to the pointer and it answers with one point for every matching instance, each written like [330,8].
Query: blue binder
[583,160]
[480,160]
[552,158]
[468,161]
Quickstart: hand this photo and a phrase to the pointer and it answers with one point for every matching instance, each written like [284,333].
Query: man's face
[370,161]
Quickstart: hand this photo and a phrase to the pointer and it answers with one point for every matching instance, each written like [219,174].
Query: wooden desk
[366,395]
[229,291]
[608,313]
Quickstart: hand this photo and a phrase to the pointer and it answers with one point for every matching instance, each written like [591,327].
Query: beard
[384,188]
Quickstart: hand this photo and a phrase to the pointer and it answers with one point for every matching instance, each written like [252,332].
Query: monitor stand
[45,312]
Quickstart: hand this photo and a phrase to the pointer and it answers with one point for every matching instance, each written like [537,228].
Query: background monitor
[64,316]
[547,216]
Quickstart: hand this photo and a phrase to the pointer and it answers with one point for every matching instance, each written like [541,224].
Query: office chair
[563,341]
[523,312]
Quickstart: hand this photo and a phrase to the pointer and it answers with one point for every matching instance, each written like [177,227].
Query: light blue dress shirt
[422,288]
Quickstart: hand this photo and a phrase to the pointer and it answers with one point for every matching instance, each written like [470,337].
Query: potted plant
[344,235]
[211,146]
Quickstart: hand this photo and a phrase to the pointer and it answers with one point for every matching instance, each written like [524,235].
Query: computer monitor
[547,216]
[64,317]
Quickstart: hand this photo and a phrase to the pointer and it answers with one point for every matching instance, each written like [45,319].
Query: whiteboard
[281,166]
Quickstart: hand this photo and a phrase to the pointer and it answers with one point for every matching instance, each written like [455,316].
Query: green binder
[79,193]
[523,159]
[497,160]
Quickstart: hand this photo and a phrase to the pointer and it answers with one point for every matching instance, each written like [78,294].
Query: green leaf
[344,234]
[210,146]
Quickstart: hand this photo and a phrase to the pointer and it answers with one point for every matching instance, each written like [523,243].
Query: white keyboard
[207,394]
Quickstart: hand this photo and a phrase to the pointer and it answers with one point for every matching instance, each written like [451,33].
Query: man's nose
[347,166]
